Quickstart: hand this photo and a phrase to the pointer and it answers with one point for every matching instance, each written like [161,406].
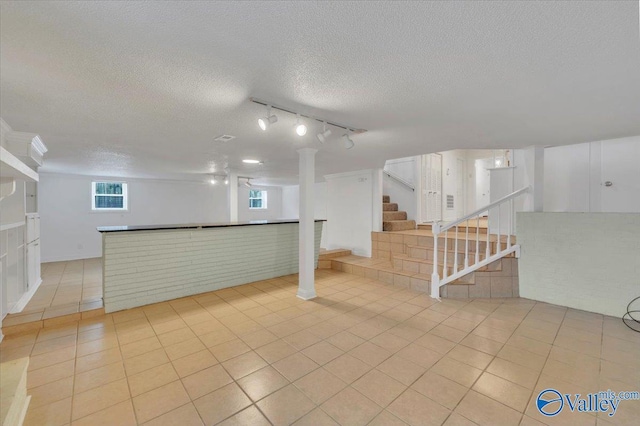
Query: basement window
[257,199]
[109,196]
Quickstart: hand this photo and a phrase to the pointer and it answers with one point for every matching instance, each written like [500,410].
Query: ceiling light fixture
[348,143]
[301,128]
[250,161]
[248,183]
[324,135]
[212,181]
[265,122]
[350,129]
[226,181]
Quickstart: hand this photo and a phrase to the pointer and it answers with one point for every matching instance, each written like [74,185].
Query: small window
[257,199]
[109,196]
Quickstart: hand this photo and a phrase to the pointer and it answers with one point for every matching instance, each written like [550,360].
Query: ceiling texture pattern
[141,89]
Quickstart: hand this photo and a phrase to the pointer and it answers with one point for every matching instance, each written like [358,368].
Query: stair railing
[399,179]
[502,247]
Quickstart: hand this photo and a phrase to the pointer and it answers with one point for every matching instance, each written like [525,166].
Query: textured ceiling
[142,88]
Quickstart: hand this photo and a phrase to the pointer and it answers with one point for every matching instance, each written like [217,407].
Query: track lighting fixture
[226,181]
[322,137]
[348,143]
[248,183]
[301,128]
[265,122]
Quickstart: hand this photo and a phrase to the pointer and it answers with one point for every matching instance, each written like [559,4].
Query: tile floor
[67,288]
[363,352]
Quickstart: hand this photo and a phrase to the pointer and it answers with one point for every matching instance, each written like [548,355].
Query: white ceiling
[140,89]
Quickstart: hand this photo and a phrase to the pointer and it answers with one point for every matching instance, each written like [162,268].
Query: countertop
[126,228]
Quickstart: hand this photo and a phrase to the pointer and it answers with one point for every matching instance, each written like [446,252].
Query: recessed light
[248,161]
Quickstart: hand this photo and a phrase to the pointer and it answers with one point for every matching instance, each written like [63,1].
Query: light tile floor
[67,287]
[363,352]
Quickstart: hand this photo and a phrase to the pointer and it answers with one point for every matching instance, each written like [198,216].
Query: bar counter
[155,263]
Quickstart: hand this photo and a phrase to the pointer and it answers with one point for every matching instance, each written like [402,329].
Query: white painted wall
[566,178]
[68,226]
[274,204]
[354,210]
[586,261]
[291,205]
[574,176]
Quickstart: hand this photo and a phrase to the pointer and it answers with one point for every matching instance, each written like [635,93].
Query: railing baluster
[455,255]
[444,268]
[486,244]
[498,245]
[477,240]
[466,247]
[435,277]
[510,223]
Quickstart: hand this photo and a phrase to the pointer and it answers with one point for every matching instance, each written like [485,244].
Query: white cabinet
[33,250]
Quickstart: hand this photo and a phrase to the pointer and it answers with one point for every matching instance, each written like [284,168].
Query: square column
[306,283]
[534,176]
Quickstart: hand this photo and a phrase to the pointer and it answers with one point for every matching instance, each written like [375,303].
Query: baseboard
[18,307]
[65,258]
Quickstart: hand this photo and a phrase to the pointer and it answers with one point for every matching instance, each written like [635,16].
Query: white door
[432,197]
[620,176]
[460,189]
[483,181]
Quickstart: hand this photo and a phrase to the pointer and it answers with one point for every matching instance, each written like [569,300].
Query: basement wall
[587,261]
[68,225]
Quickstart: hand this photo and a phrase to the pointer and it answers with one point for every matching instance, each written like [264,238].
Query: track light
[226,181]
[348,143]
[322,137]
[248,183]
[265,122]
[212,181]
[301,128]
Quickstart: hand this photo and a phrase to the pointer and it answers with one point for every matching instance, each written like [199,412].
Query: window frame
[124,195]
[263,198]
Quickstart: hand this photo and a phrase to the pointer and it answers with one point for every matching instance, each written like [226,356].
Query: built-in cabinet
[20,154]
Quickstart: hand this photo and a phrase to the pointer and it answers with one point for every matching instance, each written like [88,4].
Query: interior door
[620,176]
[483,192]
[432,197]
[460,188]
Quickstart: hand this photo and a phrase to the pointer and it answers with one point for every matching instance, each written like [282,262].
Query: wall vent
[449,202]
[224,138]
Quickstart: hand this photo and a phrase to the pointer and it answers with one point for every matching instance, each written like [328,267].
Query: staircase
[405,259]
[393,219]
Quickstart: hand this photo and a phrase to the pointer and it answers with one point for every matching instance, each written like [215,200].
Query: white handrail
[399,179]
[441,228]
[442,277]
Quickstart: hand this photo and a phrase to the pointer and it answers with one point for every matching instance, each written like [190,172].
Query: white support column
[376,200]
[534,172]
[306,285]
[233,197]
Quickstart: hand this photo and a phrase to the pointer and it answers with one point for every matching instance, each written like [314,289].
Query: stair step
[387,216]
[461,228]
[386,199]
[421,252]
[389,207]
[13,391]
[398,225]
[331,254]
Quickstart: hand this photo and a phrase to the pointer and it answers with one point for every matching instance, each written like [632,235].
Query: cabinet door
[31,265]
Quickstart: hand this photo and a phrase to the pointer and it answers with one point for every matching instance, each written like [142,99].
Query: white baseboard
[18,307]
